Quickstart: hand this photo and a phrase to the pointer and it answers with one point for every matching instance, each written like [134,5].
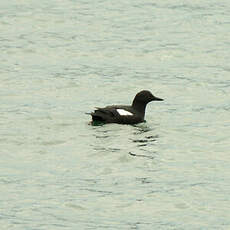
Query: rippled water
[60,59]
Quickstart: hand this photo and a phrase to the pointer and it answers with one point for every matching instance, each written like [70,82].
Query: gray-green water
[60,59]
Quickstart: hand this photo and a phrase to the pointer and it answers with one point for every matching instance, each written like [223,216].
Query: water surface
[60,59]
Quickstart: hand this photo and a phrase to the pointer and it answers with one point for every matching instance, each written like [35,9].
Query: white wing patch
[123,112]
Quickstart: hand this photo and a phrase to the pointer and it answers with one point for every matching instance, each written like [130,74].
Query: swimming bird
[124,114]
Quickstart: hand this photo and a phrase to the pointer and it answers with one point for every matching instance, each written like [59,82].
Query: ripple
[54,142]
[142,129]
[145,140]
[140,155]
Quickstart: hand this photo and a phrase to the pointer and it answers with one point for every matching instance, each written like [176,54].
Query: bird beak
[157,99]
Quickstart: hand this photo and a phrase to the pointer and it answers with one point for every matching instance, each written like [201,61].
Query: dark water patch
[145,141]
[140,141]
[105,149]
[144,180]
[96,123]
[139,225]
[76,207]
[64,124]
[152,138]
[100,192]
[114,149]
[90,181]
[103,137]
[54,142]
[140,155]
[168,190]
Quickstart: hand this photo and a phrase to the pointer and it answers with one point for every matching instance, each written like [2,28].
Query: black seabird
[124,114]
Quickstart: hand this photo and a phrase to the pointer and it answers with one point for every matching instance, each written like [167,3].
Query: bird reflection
[142,129]
[144,141]
[137,140]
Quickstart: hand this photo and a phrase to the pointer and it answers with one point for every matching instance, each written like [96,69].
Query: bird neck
[139,106]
